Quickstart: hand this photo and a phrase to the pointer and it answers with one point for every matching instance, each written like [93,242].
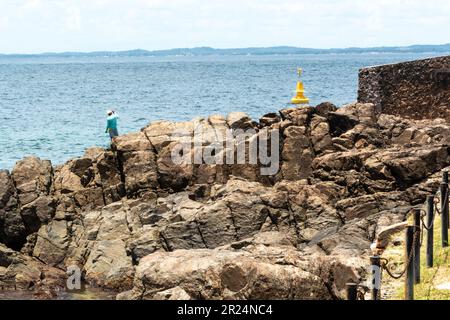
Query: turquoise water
[55,107]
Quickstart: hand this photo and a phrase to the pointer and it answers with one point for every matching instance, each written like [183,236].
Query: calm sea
[55,107]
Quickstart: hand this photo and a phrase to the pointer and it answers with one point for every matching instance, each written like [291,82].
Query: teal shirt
[112,122]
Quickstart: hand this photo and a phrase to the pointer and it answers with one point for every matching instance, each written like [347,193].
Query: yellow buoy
[300,92]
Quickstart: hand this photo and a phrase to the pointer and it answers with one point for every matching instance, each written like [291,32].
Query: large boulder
[299,116]
[134,218]
[79,185]
[21,272]
[109,266]
[239,120]
[32,178]
[410,165]
[366,113]
[99,246]
[312,207]
[138,162]
[269,119]
[320,135]
[13,231]
[110,177]
[39,212]
[52,243]
[74,176]
[297,154]
[175,176]
[259,272]
[324,108]
[162,133]
[146,241]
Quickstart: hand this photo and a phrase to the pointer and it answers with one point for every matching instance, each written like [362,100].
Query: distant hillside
[203,51]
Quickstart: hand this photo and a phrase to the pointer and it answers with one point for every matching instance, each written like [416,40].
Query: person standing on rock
[111,124]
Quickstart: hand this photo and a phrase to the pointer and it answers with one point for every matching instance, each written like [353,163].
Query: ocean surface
[55,107]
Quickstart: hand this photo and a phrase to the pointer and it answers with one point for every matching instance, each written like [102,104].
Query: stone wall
[417,89]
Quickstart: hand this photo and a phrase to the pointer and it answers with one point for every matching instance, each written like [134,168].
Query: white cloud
[31,4]
[85,25]
[4,23]
[73,19]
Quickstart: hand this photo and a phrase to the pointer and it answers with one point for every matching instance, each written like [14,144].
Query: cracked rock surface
[136,222]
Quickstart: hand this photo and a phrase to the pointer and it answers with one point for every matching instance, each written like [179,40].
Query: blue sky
[32,26]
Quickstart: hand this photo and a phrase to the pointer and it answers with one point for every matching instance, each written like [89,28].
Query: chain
[437,200]
[418,236]
[421,237]
[423,214]
[437,209]
[360,295]
[424,225]
[385,264]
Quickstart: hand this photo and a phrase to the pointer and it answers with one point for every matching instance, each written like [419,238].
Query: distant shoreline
[207,51]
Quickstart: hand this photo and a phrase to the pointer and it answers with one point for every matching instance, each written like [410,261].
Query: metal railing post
[445,180]
[375,262]
[416,257]
[444,214]
[352,291]
[409,280]
[430,230]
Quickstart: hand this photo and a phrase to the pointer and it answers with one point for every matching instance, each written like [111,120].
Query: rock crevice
[136,222]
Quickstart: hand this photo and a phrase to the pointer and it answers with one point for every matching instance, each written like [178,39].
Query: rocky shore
[135,222]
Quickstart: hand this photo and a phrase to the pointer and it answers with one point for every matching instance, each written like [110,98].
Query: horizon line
[223,49]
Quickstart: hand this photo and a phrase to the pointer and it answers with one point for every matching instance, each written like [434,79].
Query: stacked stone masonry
[415,90]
